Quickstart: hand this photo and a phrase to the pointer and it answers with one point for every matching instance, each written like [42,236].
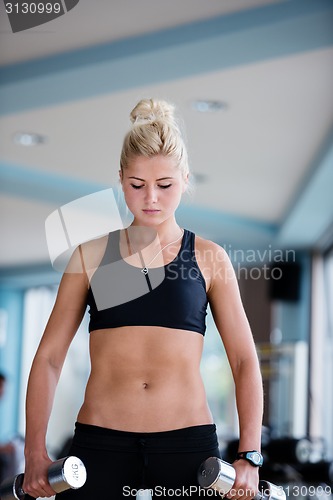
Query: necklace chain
[144,270]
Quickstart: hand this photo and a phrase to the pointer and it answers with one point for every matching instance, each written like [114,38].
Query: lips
[150,211]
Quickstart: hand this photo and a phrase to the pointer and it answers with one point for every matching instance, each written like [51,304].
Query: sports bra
[171,296]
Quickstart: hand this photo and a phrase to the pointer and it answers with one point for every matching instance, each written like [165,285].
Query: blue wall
[11,301]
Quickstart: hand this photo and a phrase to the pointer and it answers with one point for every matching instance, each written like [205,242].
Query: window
[321,375]
[38,303]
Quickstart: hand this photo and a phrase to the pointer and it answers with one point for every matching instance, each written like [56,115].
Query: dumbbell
[317,472]
[220,476]
[289,450]
[63,474]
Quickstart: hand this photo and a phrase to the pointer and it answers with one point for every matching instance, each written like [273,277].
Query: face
[152,188]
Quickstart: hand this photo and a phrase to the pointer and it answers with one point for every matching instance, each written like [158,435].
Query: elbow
[247,367]
[48,362]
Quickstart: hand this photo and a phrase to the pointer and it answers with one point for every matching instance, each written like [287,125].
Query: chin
[150,221]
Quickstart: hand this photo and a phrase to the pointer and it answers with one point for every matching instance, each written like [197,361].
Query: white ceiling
[93,23]
[255,158]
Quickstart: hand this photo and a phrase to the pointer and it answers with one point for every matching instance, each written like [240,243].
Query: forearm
[249,399]
[42,384]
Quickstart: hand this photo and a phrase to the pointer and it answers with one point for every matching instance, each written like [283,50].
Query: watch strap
[246,455]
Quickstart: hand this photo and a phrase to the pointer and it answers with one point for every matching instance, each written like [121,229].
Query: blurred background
[252,82]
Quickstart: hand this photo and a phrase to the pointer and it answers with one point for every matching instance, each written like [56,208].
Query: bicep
[65,318]
[229,314]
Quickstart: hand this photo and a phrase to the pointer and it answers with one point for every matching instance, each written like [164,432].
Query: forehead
[152,168]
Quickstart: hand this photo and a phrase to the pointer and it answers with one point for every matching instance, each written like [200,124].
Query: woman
[144,422]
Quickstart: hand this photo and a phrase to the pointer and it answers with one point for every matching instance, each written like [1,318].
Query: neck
[166,232]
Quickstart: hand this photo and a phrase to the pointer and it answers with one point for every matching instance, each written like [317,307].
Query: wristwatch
[253,457]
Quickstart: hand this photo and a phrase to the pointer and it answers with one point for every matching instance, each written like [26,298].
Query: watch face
[255,457]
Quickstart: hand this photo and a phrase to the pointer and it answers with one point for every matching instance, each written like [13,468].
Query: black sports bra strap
[192,245]
[112,251]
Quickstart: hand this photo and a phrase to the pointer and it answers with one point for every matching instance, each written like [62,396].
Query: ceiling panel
[91,23]
[254,160]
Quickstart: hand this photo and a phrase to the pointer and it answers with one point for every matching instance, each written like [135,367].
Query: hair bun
[149,111]
[155,131]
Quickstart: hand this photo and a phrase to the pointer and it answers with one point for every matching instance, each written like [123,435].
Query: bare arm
[44,375]
[233,326]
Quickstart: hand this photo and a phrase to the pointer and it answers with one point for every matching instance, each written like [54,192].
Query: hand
[35,482]
[246,483]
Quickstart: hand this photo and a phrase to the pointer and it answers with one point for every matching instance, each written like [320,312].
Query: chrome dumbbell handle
[270,491]
[63,474]
[220,476]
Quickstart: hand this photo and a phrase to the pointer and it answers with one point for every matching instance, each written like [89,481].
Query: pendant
[144,271]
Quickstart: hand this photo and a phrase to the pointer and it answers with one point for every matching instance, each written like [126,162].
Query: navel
[145,385]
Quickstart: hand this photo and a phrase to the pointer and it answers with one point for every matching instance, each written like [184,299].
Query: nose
[151,195]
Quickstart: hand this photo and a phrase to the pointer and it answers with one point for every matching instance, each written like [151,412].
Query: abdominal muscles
[145,379]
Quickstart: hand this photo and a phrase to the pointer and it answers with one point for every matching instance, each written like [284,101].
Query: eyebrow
[143,180]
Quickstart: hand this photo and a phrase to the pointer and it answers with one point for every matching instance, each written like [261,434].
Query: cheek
[131,195]
[173,198]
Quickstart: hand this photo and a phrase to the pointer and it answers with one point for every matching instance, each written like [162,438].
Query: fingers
[246,483]
[241,492]
[38,488]
[35,480]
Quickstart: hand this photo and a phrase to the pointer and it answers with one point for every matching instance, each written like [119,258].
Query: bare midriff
[145,379]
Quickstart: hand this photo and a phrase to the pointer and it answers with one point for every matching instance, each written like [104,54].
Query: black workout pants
[120,463]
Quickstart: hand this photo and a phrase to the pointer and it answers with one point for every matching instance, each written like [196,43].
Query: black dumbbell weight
[63,474]
[220,476]
[318,472]
[289,450]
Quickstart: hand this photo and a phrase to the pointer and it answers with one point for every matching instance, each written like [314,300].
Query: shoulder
[213,261]
[87,256]
[210,252]
[84,260]
[94,249]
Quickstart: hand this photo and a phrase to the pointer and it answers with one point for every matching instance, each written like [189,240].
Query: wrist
[253,457]
[32,452]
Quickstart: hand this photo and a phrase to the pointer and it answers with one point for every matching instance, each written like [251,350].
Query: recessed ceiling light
[208,106]
[28,139]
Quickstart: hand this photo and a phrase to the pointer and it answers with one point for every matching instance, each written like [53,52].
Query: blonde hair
[154,132]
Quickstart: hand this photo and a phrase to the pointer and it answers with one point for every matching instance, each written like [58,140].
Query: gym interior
[252,81]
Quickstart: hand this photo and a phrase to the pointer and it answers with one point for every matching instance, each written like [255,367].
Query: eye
[135,186]
[165,186]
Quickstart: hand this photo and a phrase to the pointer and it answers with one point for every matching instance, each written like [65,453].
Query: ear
[120,176]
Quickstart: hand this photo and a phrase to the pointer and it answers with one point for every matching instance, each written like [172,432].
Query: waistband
[201,437]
